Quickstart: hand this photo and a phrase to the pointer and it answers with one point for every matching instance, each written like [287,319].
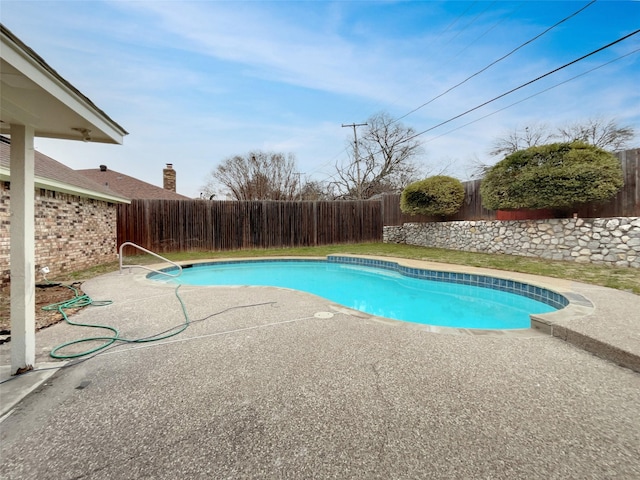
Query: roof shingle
[47,168]
[128,186]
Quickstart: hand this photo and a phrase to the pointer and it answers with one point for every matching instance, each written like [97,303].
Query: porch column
[22,253]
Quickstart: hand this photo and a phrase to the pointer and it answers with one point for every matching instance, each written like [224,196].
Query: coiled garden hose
[80,301]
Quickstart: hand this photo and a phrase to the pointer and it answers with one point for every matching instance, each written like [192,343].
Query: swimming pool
[389,290]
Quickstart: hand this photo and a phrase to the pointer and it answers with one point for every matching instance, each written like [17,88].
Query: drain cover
[323,315]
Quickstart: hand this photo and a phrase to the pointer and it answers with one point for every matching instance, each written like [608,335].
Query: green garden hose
[80,301]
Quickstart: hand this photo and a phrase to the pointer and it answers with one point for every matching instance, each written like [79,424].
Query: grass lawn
[621,278]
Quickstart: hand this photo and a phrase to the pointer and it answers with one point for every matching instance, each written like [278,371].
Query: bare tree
[314,191]
[386,160]
[256,176]
[520,139]
[476,168]
[598,132]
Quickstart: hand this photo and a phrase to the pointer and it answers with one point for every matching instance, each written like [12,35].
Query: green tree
[558,175]
[438,195]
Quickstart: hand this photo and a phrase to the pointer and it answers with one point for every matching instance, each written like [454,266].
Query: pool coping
[569,304]
[554,292]
[574,324]
[574,307]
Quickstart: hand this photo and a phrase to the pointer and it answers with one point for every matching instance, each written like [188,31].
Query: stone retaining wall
[71,232]
[613,241]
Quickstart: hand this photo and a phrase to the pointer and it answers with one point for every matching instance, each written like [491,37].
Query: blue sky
[196,82]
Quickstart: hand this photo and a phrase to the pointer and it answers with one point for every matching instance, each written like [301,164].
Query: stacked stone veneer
[613,241]
[71,232]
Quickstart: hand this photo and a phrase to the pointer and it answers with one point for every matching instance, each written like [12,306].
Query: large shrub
[439,195]
[559,175]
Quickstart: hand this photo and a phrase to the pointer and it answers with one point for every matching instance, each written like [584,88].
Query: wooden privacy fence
[191,225]
[626,203]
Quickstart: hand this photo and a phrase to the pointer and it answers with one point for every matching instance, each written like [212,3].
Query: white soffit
[32,93]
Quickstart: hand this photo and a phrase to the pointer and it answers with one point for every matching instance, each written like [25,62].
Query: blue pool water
[378,291]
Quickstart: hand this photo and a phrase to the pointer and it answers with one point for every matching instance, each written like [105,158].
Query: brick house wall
[71,232]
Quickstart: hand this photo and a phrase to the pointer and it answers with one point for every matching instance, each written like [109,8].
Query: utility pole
[355,137]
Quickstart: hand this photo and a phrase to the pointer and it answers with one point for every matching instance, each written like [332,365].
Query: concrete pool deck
[272,383]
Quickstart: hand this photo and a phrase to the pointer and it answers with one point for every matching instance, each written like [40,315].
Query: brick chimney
[169,178]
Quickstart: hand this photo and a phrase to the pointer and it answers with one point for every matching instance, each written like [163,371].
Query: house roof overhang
[63,187]
[34,94]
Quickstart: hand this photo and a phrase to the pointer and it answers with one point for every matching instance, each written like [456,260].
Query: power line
[460,52]
[498,60]
[472,21]
[526,98]
[519,87]
[531,96]
[337,155]
[500,20]
[457,18]
[523,85]
[411,137]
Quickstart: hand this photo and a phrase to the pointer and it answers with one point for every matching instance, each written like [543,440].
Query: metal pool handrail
[131,244]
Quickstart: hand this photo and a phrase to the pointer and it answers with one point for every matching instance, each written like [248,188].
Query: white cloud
[196,82]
